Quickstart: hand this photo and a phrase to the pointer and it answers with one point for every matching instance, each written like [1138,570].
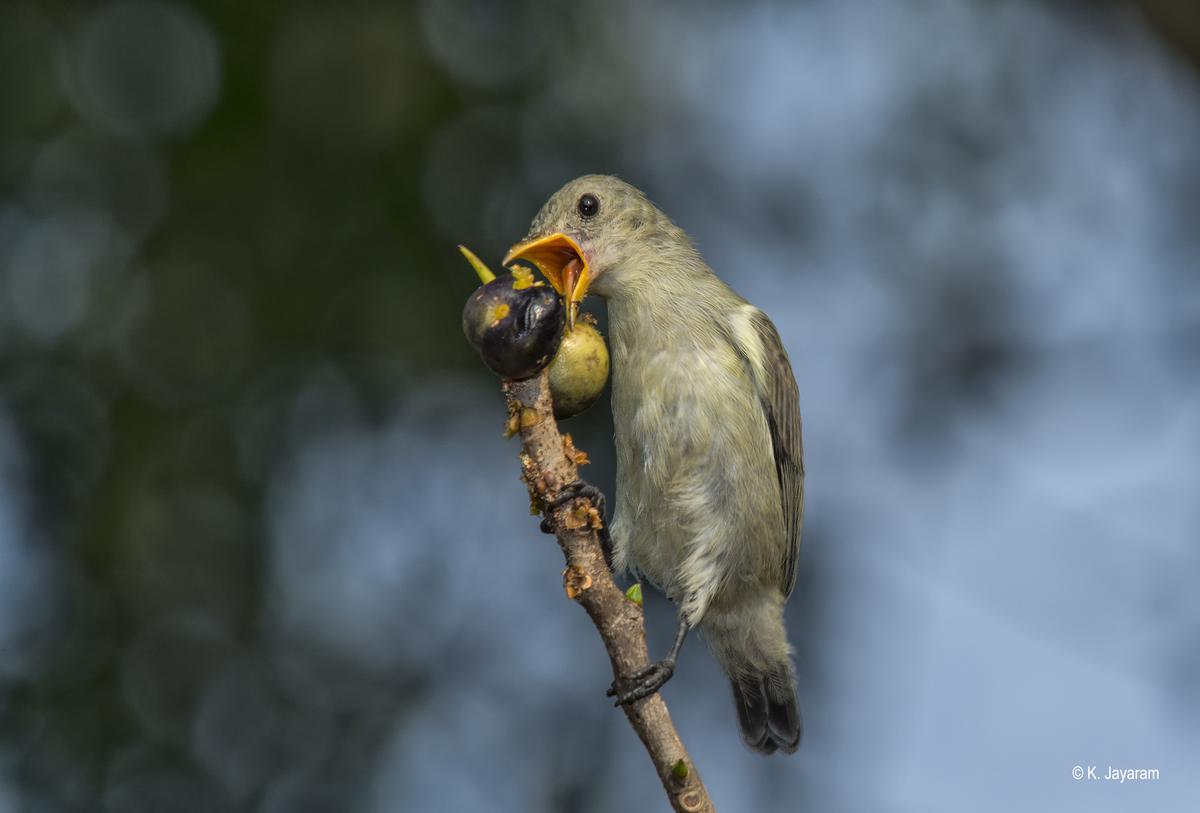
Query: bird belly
[698,507]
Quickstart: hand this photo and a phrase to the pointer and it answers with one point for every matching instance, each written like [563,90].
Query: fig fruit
[579,369]
[514,322]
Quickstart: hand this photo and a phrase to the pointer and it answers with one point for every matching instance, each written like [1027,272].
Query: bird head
[586,235]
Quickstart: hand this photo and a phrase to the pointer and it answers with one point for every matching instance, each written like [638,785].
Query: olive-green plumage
[710,475]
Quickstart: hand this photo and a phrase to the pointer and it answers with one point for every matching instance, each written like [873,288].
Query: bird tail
[767,710]
[750,642]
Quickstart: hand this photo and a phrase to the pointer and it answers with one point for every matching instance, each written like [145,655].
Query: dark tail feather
[767,711]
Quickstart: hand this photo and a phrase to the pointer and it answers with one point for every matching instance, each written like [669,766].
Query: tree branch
[548,462]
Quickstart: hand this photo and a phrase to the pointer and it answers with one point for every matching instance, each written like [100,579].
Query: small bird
[706,413]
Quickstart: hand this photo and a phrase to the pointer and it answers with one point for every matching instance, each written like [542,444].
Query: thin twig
[548,462]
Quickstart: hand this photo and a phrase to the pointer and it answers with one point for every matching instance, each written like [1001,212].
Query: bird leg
[649,680]
[573,491]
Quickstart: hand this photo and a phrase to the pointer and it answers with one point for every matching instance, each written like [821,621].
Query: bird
[706,416]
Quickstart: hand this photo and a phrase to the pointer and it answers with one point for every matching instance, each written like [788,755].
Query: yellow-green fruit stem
[485,273]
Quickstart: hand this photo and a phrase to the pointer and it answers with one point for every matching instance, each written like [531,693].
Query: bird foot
[579,488]
[644,682]
[575,490]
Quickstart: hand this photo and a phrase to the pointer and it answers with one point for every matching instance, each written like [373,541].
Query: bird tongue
[571,273]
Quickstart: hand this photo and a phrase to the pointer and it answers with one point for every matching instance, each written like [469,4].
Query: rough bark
[550,461]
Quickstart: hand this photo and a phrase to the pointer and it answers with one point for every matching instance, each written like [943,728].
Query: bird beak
[561,261]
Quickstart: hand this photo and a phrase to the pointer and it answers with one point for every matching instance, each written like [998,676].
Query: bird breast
[698,504]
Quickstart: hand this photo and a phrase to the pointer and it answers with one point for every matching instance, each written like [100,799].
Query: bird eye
[589,205]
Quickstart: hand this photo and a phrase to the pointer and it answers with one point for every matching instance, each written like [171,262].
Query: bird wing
[759,344]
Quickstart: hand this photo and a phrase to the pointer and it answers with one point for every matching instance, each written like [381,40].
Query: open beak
[561,261]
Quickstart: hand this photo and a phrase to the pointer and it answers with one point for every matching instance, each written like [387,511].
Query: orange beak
[561,261]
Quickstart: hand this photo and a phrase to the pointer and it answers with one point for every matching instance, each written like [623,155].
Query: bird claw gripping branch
[576,490]
[643,683]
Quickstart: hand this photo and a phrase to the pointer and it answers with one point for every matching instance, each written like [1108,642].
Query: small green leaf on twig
[634,594]
[680,770]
